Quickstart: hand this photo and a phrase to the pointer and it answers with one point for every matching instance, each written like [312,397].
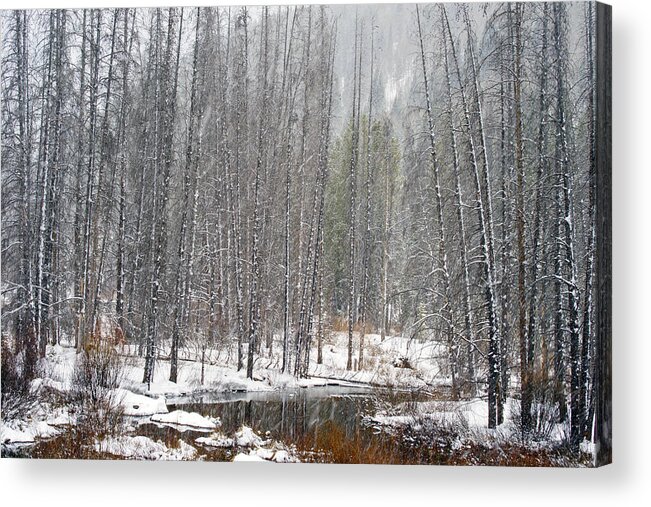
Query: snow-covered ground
[247,444]
[384,361]
[384,365]
[27,431]
[138,405]
[395,362]
[144,448]
[42,421]
[466,418]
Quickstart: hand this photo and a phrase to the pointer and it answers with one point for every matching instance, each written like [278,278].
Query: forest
[281,191]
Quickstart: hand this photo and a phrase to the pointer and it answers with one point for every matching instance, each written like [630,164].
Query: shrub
[402,362]
[17,398]
[544,412]
[98,373]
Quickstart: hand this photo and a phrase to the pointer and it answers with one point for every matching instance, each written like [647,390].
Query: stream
[315,424]
[305,415]
[288,414]
[323,424]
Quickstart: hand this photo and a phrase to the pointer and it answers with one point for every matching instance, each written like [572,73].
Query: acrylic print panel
[338,233]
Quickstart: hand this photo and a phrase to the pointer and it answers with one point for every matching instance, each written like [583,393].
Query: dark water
[286,415]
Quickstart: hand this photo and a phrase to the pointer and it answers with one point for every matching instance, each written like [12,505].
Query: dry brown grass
[332,445]
[72,444]
[437,447]
[339,324]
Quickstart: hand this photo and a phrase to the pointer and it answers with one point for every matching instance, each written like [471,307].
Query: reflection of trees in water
[287,417]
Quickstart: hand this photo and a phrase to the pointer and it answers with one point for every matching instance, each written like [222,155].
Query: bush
[544,412]
[98,373]
[17,398]
[402,362]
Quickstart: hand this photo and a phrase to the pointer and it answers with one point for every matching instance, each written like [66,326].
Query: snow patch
[282,456]
[26,432]
[183,418]
[215,440]
[246,437]
[139,405]
[252,456]
[144,448]
[267,454]
[9,435]
[587,447]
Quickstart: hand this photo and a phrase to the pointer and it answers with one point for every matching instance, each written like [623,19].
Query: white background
[626,482]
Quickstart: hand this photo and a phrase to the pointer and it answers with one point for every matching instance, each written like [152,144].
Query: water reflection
[286,415]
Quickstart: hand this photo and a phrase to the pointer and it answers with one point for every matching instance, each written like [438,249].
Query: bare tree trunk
[442,243]
[128,37]
[254,306]
[538,228]
[26,324]
[525,365]
[353,194]
[303,268]
[289,36]
[51,173]
[363,316]
[326,70]
[189,204]
[90,177]
[169,80]
[466,305]
[588,302]
[494,348]
[104,194]
[567,221]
